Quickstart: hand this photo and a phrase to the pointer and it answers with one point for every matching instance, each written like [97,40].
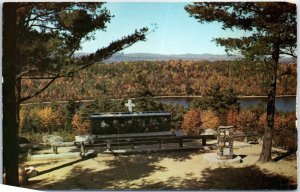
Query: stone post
[225,142]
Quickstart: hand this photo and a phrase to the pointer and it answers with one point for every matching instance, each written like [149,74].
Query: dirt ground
[161,171]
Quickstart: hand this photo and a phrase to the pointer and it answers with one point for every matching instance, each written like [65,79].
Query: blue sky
[176,32]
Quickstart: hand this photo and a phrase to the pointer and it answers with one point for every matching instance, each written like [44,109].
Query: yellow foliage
[209,119]
[49,119]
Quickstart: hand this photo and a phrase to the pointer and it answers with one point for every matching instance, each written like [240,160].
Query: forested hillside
[174,77]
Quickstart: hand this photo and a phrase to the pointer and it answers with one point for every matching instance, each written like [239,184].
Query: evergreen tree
[217,99]
[39,42]
[273,29]
[71,108]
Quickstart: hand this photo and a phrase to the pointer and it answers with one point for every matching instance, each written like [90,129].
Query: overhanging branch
[39,91]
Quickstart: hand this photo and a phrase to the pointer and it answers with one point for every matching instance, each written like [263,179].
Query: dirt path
[176,170]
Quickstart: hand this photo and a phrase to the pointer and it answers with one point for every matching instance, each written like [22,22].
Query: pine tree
[273,32]
[39,42]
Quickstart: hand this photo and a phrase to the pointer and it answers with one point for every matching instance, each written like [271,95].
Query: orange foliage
[285,131]
[192,122]
[81,126]
[232,117]
[246,120]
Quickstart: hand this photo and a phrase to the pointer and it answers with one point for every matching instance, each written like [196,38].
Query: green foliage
[177,113]
[50,33]
[217,99]
[258,109]
[70,110]
[145,102]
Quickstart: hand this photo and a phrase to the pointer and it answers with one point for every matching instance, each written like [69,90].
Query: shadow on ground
[124,171]
[247,178]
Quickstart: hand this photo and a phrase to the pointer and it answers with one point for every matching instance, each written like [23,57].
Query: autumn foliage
[192,122]
[45,119]
[81,126]
[246,120]
[123,79]
[232,117]
[209,119]
[285,131]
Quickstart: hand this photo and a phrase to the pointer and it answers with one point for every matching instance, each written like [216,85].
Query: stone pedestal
[225,142]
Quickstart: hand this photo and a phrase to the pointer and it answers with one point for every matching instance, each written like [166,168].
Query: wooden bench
[134,139]
[29,147]
[123,139]
[160,140]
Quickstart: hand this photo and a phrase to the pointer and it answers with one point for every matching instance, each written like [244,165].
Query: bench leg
[203,141]
[29,152]
[132,145]
[159,144]
[108,145]
[180,142]
[246,140]
[55,150]
[82,148]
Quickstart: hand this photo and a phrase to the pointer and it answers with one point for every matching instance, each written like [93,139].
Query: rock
[31,172]
[51,139]
[208,132]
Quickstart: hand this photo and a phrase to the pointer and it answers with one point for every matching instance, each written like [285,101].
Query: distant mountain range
[160,57]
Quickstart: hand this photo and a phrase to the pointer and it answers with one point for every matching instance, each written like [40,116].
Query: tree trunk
[10,125]
[265,154]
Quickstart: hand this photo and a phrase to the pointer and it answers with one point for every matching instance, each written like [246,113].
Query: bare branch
[39,91]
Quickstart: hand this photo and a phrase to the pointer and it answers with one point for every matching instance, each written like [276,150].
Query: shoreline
[167,96]
[239,97]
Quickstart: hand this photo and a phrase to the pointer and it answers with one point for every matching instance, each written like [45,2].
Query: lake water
[287,104]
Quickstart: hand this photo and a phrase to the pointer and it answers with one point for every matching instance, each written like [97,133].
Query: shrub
[48,119]
[192,122]
[232,117]
[285,131]
[177,113]
[246,121]
[81,124]
[209,119]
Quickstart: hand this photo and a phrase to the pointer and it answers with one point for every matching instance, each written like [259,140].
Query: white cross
[130,105]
